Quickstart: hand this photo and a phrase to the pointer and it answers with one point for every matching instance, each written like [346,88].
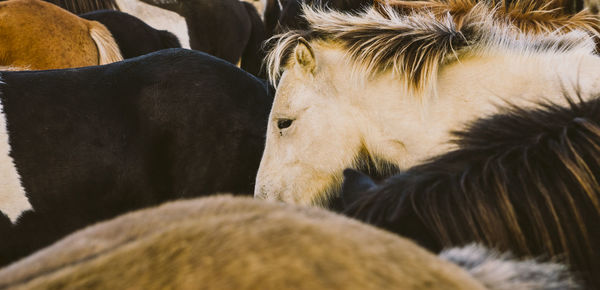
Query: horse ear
[355,185]
[305,56]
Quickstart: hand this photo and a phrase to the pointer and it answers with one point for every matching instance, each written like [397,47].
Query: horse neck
[408,128]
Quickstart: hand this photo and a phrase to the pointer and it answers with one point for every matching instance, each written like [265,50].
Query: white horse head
[382,88]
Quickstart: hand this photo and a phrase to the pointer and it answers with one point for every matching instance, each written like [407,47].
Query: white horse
[388,88]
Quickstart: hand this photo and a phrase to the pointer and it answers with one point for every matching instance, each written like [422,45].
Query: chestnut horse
[38,35]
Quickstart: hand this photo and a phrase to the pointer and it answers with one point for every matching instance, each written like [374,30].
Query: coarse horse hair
[239,243]
[525,180]
[416,44]
[528,16]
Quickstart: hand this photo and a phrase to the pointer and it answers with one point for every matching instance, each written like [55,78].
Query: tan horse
[38,35]
[239,243]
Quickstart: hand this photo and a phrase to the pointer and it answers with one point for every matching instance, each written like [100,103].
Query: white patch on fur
[158,18]
[502,271]
[13,200]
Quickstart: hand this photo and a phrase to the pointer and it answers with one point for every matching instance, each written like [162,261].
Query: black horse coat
[95,142]
[134,36]
[228,29]
[289,15]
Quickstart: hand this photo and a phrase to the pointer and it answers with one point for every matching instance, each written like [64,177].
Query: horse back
[39,35]
[91,143]
[133,36]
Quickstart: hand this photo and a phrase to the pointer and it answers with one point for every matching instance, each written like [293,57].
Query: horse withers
[38,35]
[87,144]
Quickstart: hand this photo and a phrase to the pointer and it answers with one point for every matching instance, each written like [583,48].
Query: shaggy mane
[414,38]
[528,16]
[525,180]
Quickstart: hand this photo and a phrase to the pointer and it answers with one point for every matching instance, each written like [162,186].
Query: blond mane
[414,43]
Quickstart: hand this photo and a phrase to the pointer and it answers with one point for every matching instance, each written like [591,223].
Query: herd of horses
[434,144]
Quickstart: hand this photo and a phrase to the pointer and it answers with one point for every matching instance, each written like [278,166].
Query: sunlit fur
[415,44]
[393,85]
[525,181]
[239,243]
[39,35]
[530,16]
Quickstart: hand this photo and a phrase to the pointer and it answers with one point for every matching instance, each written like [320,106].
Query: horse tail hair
[253,55]
[108,49]
[168,39]
[501,271]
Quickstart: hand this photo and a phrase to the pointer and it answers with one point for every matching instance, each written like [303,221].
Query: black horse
[134,36]
[95,142]
[228,29]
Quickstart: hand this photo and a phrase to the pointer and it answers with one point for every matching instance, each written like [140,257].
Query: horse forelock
[525,181]
[413,44]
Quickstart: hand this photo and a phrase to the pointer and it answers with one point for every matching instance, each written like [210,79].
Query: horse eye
[284,123]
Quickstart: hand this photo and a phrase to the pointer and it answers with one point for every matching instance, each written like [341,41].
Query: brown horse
[239,243]
[38,35]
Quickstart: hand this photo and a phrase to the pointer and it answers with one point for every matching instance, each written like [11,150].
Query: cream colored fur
[339,110]
[233,243]
[158,18]
[13,199]
[108,49]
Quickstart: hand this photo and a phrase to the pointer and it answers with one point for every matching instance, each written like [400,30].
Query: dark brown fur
[525,181]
